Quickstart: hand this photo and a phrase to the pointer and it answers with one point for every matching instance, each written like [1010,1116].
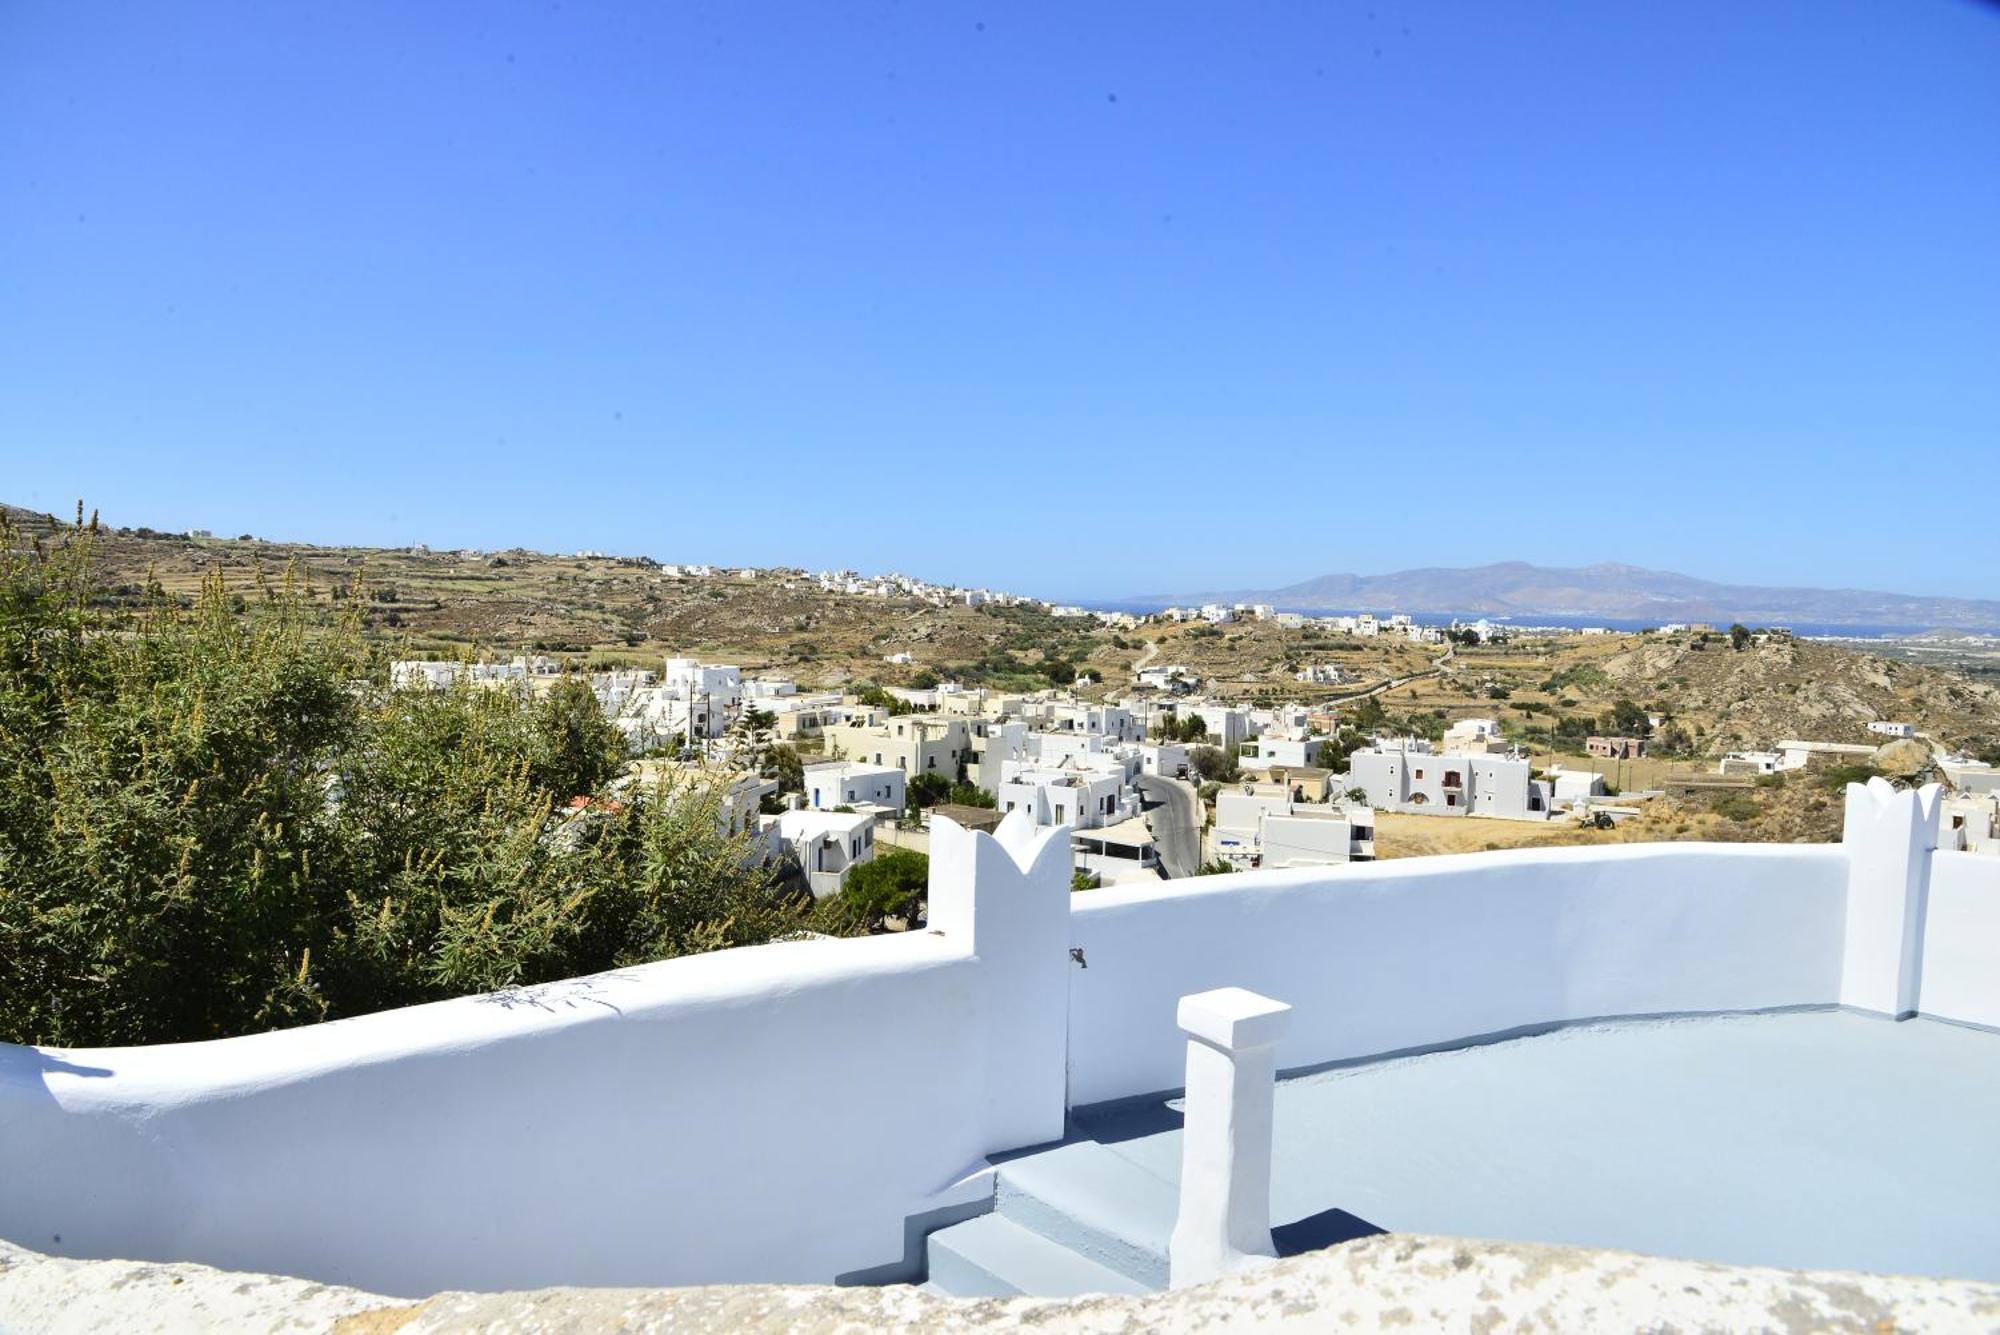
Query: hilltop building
[827,845]
[912,743]
[1405,775]
[857,784]
[1168,677]
[1295,752]
[1795,755]
[1122,852]
[1306,783]
[1474,736]
[442,674]
[1263,825]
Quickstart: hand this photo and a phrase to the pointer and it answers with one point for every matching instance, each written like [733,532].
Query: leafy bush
[926,790]
[212,824]
[1214,764]
[784,763]
[874,696]
[970,795]
[888,886]
[1583,675]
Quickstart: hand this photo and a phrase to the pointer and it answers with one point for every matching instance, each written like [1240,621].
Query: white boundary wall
[1961,968]
[772,1113]
[778,1113]
[1379,957]
[737,1116]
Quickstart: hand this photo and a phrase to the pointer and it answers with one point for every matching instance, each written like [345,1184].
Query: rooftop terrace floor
[1817,1139]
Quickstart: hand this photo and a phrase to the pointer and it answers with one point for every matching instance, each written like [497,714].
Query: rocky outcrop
[1902,758]
[1391,1281]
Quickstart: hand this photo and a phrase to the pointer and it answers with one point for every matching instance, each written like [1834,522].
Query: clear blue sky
[1072,299]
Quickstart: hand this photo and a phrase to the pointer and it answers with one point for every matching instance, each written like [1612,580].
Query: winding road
[1172,813]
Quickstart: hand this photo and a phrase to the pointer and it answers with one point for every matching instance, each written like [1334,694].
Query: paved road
[1173,815]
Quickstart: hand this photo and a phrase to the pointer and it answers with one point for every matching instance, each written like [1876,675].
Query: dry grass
[1801,810]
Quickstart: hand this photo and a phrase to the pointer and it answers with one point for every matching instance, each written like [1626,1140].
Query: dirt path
[1436,669]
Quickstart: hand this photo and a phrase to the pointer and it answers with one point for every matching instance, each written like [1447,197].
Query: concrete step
[1096,1203]
[991,1256]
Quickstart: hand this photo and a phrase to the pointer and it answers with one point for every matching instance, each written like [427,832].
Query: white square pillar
[1232,1068]
[1006,895]
[1889,835]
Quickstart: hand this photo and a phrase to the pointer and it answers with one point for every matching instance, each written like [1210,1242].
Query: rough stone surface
[54,1294]
[1904,756]
[1379,1283]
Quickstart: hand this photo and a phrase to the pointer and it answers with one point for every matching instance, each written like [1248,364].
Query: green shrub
[214,823]
[970,795]
[1214,764]
[888,886]
[1736,807]
[926,790]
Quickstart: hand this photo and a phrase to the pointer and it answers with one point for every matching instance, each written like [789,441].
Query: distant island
[1516,589]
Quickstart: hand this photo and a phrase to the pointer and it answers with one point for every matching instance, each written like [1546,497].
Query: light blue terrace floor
[1819,1139]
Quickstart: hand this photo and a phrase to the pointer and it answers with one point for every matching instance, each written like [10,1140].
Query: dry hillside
[604,609]
[1722,698]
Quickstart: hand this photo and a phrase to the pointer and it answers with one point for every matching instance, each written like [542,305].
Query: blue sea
[1812,629]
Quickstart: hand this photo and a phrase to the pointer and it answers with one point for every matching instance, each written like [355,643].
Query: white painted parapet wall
[1960,970]
[772,1113]
[1412,953]
[780,1112]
